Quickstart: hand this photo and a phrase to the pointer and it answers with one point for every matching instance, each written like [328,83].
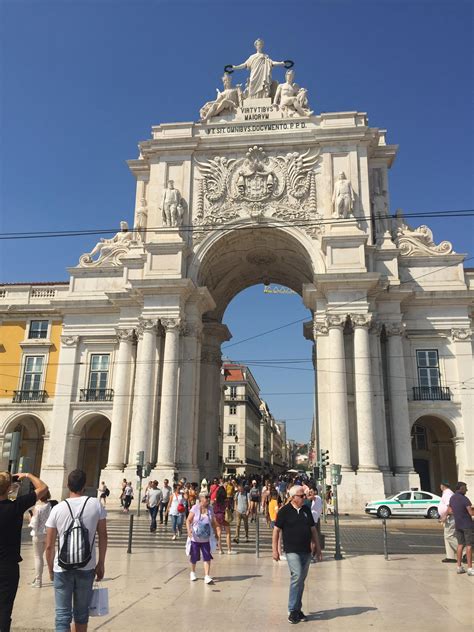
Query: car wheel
[383,512]
[433,513]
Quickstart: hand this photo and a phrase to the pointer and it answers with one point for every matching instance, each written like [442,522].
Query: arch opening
[434,457]
[94,450]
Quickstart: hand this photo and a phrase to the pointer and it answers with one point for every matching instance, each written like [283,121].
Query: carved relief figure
[380,206]
[171,206]
[109,249]
[290,98]
[226,101]
[260,65]
[342,197]
[141,219]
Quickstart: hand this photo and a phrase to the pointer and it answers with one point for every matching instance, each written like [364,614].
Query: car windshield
[391,496]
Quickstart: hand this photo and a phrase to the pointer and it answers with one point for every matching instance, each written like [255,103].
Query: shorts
[465,536]
[195,552]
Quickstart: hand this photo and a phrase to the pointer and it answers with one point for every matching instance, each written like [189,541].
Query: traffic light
[26,464]
[140,471]
[323,461]
[146,470]
[11,446]
[336,476]
[141,458]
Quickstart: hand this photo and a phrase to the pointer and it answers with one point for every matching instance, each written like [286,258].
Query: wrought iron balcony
[230,459]
[422,393]
[20,397]
[96,394]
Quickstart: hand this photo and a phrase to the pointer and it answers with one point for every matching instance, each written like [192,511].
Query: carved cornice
[126,335]
[462,334]
[69,341]
[361,320]
[335,320]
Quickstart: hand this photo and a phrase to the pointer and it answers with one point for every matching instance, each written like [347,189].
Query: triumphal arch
[264,189]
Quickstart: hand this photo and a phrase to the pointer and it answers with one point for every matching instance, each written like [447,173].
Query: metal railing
[29,396]
[96,394]
[422,393]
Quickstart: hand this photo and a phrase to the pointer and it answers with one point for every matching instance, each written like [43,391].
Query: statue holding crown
[259,84]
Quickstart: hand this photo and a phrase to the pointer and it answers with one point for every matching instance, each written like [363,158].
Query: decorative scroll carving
[110,251]
[170,324]
[146,324]
[69,341]
[417,241]
[395,329]
[335,320]
[257,185]
[361,320]
[461,334]
[125,334]
[320,329]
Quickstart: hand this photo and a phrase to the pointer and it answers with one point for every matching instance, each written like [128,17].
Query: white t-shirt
[60,519]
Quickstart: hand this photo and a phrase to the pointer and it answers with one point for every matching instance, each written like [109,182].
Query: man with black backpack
[74,523]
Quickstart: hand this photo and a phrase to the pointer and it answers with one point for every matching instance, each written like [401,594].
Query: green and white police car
[407,503]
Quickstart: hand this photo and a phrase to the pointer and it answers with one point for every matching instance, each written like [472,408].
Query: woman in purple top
[200,523]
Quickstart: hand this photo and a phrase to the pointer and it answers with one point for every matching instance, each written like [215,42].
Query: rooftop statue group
[288,97]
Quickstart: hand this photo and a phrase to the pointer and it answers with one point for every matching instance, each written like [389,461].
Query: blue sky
[82,83]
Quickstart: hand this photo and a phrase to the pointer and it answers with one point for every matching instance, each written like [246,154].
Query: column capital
[334,321]
[395,329]
[147,324]
[376,327]
[69,341]
[172,324]
[191,330]
[125,335]
[463,334]
[361,320]
[320,329]
[211,356]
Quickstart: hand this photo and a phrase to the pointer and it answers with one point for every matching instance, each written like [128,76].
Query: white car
[406,503]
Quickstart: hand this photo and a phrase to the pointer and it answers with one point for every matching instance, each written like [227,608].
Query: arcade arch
[32,432]
[434,457]
[93,438]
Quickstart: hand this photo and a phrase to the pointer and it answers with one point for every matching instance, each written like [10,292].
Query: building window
[99,371]
[38,329]
[232,409]
[232,451]
[33,373]
[428,368]
[233,391]
[418,438]
[232,430]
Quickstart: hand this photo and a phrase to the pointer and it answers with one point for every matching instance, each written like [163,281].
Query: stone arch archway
[92,437]
[226,263]
[434,456]
[32,431]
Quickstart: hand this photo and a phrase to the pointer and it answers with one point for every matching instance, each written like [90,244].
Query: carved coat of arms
[257,185]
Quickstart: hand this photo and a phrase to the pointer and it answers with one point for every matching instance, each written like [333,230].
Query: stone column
[462,342]
[340,448]
[380,417]
[57,464]
[142,418]
[189,402]
[364,394]
[169,395]
[121,406]
[400,421]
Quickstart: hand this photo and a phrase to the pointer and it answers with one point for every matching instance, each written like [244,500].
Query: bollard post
[130,534]
[257,536]
[385,542]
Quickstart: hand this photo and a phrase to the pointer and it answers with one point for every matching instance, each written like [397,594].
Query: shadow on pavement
[234,578]
[324,615]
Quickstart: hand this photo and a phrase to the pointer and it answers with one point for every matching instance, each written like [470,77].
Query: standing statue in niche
[226,102]
[260,65]
[141,220]
[292,99]
[381,216]
[109,249]
[342,197]
[171,206]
